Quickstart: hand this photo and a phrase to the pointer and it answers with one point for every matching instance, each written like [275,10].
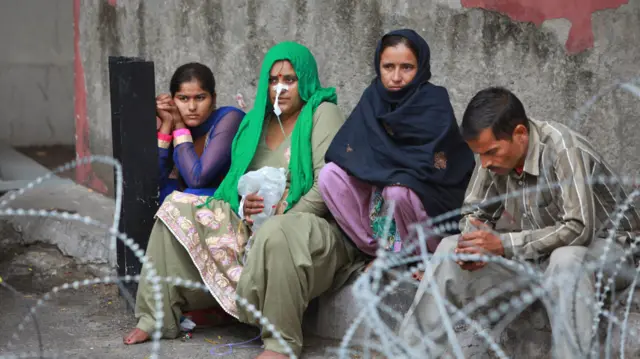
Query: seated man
[557,228]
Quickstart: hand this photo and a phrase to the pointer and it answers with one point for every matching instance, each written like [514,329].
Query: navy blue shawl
[407,138]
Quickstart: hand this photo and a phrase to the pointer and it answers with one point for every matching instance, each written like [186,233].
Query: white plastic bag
[270,184]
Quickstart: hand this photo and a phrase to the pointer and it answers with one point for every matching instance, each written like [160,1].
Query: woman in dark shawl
[400,144]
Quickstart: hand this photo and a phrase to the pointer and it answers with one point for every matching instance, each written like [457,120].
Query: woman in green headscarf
[295,255]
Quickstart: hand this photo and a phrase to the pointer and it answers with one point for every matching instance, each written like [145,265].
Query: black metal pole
[132,86]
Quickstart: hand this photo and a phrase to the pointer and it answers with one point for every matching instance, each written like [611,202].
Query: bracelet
[164,140]
[181,132]
[181,136]
[241,208]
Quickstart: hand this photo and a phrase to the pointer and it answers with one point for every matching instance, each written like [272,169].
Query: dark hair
[395,40]
[193,71]
[496,108]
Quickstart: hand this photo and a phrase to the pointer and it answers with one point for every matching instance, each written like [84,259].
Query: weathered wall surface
[36,72]
[471,48]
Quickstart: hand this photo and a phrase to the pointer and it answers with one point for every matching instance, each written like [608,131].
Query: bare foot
[418,275]
[136,336]
[268,354]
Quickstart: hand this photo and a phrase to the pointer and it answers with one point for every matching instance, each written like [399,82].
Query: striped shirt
[557,200]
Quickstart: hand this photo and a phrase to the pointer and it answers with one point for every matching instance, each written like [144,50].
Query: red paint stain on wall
[537,11]
[84,173]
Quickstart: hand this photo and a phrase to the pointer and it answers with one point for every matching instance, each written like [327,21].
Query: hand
[282,204]
[164,108]
[167,111]
[481,241]
[253,204]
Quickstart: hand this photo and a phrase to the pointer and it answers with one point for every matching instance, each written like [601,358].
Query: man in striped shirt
[563,207]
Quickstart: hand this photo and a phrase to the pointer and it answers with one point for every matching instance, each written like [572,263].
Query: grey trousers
[564,270]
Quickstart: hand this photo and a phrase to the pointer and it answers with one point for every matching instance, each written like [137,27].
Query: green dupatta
[246,140]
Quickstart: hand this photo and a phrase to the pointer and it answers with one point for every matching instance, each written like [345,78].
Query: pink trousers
[349,199]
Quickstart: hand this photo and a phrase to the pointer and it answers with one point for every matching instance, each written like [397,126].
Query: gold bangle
[163,144]
[181,139]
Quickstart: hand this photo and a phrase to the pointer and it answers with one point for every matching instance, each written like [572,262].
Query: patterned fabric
[215,238]
[378,217]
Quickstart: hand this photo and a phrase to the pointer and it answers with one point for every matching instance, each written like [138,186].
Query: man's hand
[481,241]
[253,204]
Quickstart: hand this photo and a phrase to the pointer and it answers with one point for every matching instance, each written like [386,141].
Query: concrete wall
[36,72]
[471,49]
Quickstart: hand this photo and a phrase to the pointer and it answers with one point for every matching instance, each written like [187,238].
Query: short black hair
[395,40]
[193,71]
[496,108]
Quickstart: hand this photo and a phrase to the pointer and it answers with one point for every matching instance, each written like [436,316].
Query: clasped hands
[481,241]
[168,117]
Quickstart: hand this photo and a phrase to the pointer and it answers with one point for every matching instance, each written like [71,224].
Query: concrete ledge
[528,336]
[17,170]
[331,315]
[87,244]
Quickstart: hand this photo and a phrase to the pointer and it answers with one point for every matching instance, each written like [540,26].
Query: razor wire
[381,323]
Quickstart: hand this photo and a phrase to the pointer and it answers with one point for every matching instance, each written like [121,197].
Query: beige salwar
[574,317]
[298,258]
[292,259]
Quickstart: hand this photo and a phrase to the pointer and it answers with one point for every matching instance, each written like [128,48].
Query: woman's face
[289,100]
[194,104]
[398,66]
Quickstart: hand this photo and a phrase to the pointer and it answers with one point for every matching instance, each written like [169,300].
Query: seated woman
[202,135]
[294,256]
[401,143]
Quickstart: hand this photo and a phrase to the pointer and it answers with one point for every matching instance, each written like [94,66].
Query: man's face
[501,156]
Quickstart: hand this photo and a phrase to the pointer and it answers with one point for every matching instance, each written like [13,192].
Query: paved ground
[89,322]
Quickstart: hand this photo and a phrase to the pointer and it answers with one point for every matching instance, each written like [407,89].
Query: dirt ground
[89,322]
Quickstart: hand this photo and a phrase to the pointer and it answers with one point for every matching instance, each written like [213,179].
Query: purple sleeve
[165,164]
[201,172]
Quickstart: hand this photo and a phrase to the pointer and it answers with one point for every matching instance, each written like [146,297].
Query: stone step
[528,336]
[17,170]
[15,166]
[332,314]
[87,244]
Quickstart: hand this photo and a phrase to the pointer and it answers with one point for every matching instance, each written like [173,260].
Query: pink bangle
[181,132]
[165,137]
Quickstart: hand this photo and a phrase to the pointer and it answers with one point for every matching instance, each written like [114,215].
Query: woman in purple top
[194,137]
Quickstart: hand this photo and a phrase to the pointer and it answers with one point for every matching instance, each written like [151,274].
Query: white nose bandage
[278,88]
